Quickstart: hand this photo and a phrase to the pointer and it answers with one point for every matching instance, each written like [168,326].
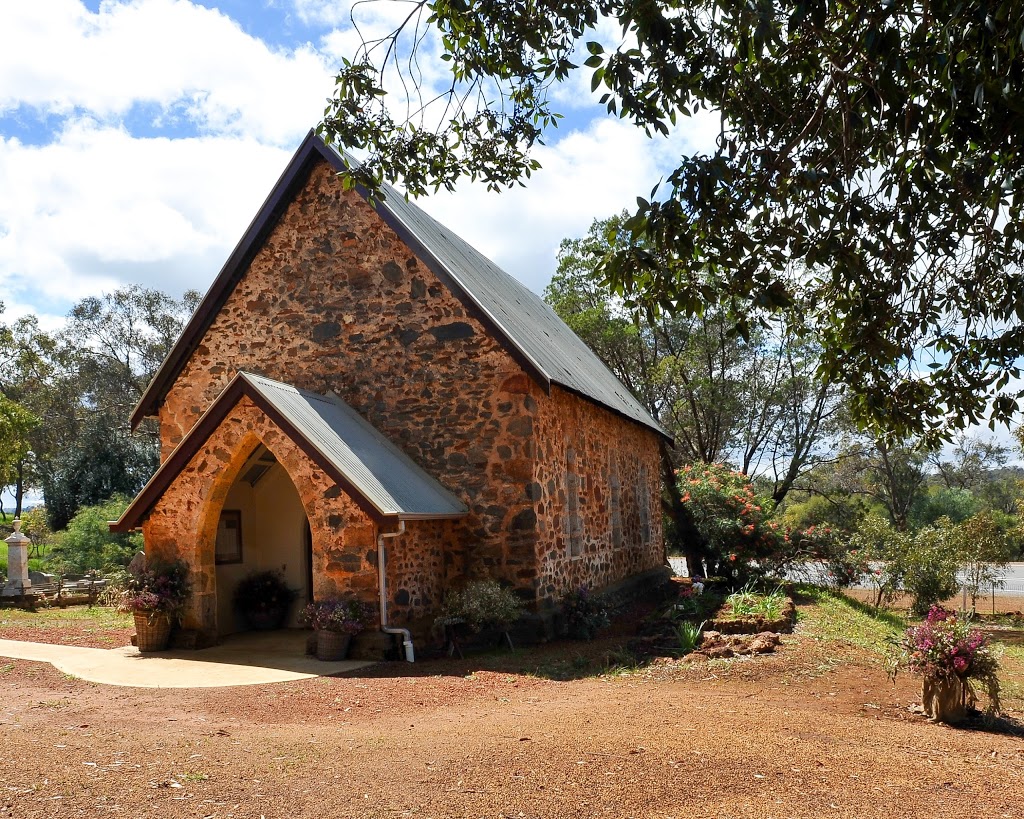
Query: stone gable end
[334,301]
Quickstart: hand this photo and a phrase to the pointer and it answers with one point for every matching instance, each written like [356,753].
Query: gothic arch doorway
[262,526]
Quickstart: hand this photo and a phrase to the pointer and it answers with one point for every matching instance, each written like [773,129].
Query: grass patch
[96,618]
[834,617]
[1011,677]
[748,603]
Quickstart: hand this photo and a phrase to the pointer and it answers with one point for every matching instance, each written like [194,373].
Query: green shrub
[88,544]
[983,548]
[585,614]
[482,604]
[844,513]
[882,550]
[929,565]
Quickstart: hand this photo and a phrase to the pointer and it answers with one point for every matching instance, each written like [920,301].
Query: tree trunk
[944,699]
[19,488]
[688,538]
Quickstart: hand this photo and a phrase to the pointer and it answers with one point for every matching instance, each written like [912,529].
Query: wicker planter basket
[152,630]
[332,645]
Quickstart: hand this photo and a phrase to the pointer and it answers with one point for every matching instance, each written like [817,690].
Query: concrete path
[252,658]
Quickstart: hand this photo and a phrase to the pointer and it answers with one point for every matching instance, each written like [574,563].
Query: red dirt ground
[797,734]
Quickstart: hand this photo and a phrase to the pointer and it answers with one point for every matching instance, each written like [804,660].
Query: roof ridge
[528,329]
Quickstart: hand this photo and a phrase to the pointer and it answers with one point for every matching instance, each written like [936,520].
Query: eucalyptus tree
[867,180]
[754,402]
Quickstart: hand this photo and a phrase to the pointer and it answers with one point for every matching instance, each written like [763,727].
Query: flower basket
[263,599]
[332,645]
[335,621]
[152,630]
[950,656]
[265,620]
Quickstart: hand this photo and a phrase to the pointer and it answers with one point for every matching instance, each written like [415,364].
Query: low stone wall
[725,623]
[549,622]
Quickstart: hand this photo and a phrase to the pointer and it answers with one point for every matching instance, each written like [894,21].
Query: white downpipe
[382,569]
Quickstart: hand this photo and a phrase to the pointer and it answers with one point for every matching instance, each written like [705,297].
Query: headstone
[17,564]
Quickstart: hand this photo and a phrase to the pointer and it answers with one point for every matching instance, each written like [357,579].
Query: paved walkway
[251,658]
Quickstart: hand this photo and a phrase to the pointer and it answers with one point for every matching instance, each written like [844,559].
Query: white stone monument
[17,564]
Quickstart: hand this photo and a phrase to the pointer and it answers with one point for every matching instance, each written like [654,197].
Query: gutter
[382,575]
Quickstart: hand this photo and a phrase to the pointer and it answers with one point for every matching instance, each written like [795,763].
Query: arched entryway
[262,526]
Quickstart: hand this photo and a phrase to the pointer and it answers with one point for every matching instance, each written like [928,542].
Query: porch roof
[385,481]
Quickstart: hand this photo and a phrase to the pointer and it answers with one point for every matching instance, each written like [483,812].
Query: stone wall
[583,452]
[421,563]
[334,301]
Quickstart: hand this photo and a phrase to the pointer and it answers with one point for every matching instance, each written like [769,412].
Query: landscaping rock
[718,646]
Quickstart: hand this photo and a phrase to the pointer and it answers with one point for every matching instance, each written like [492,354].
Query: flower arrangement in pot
[263,600]
[336,620]
[951,656]
[156,593]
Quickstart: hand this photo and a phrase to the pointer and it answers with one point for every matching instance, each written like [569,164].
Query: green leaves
[868,168]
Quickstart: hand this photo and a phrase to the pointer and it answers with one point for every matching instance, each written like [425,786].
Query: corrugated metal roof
[523,316]
[530,330]
[382,480]
[384,475]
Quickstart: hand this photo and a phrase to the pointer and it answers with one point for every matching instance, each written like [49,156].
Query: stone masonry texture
[334,301]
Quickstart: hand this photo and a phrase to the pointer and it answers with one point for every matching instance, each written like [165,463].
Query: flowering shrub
[945,646]
[846,567]
[263,592]
[482,604]
[156,587]
[347,615]
[585,614]
[730,515]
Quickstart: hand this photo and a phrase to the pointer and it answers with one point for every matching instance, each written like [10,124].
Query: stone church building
[360,383]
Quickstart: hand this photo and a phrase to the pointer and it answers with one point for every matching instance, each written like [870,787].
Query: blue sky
[138,138]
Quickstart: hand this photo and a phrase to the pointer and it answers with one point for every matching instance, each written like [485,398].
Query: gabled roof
[517,317]
[381,478]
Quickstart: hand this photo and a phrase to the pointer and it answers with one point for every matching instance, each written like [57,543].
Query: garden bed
[728,621]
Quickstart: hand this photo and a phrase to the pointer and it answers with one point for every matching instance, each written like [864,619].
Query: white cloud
[192,62]
[99,208]
[591,173]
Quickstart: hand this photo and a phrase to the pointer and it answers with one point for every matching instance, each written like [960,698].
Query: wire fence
[1006,596]
[1006,599]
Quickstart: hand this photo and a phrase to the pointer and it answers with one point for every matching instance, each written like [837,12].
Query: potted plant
[951,656]
[335,621]
[585,614]
[483,606]
[263,600]
[156,593]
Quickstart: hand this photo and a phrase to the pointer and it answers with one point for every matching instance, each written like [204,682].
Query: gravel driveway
[797,734]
